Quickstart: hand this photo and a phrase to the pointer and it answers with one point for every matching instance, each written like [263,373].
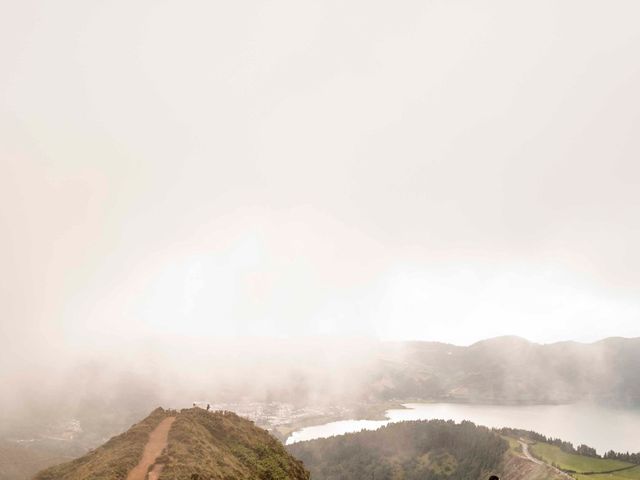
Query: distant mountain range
[509,370]
[101,401]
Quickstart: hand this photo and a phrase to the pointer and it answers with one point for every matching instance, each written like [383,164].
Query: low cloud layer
[439,171]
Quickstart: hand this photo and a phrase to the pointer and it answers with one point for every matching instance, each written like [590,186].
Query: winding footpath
[527,454]
[152,450]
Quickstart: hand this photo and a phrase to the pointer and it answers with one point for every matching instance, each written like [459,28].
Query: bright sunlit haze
[316,212]
[450,171]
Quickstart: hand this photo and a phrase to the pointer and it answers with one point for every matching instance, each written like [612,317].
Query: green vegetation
[111,461]
[222,445]
[586,467]
[631,474]
[573,462]
[581,462]
[514,444]
[201,445]
[204,445]
[425,450]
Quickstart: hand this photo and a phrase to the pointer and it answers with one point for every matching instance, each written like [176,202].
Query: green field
[632,474]
[578,463]
[514,444]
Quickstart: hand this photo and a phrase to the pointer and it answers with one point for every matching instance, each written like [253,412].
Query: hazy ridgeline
[252,203]
[199,445]
[110,389]
[119,384]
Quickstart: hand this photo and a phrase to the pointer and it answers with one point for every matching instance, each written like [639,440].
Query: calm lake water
[599,427]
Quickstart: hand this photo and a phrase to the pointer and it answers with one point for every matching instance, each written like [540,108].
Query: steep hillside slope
[424,450]
[114,459]
[222,445]
[199,445]
[428,450]
[515,467]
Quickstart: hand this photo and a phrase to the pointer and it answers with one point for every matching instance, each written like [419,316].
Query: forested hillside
[425,450]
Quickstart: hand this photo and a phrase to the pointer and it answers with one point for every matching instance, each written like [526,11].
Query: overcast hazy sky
[440,170]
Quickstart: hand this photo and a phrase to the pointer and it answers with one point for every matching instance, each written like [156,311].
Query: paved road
[527,454]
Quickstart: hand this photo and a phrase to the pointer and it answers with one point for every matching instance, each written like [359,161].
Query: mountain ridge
[509,370]
[200,445]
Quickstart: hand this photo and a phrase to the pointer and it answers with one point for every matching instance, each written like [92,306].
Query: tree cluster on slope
[625,457]
[425,450]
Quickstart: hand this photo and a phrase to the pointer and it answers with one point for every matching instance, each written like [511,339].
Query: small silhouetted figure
[208,407]
[493,477]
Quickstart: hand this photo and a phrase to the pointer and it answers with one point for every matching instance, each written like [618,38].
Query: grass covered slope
[583,467]
[573,462]
[631,474]
[425,450]
[222,445]
[111,461]
[200,445]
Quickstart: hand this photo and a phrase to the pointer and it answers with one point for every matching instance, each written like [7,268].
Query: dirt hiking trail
[527,454]
[152,450]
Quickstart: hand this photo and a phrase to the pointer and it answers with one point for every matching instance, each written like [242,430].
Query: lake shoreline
[604,428]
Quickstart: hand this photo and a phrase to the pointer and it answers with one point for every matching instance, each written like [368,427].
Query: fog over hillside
[451,172]
[311,212]
[322,373]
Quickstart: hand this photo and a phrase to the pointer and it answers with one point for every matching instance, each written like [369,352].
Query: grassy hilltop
[222,445]
[200,444]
